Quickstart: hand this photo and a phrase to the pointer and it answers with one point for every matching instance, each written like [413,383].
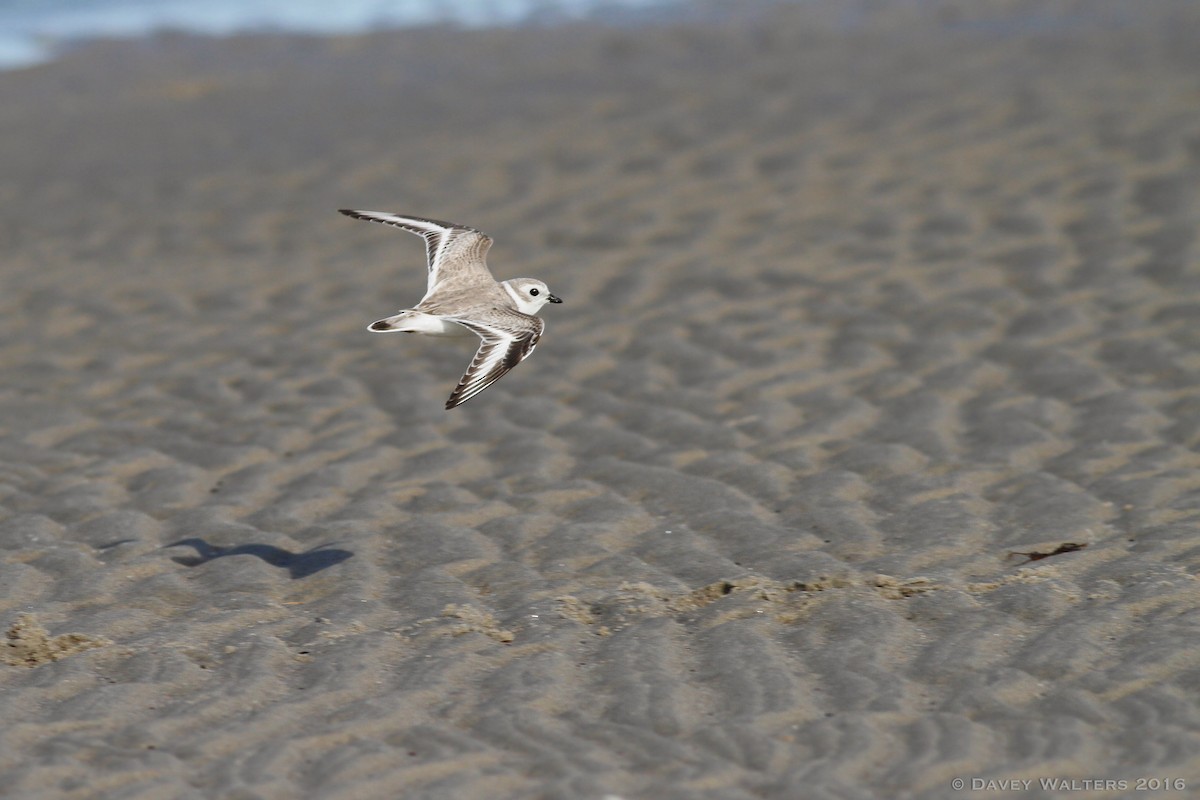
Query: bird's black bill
[554,299]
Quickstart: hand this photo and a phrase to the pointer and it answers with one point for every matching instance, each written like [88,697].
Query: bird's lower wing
[505,342]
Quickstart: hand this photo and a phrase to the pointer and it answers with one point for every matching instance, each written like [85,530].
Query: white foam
[32,30]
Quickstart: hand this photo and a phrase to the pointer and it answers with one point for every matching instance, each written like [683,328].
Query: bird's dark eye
[533,292]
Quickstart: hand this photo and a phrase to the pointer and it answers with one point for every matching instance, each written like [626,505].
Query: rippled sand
[857,306]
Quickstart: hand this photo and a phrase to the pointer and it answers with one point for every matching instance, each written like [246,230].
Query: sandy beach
[862,457]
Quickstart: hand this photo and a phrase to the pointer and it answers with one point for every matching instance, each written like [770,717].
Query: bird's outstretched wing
[506,339]
[453,251]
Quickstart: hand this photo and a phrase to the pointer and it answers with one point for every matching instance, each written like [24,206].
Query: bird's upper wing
[453,251]
[506,339]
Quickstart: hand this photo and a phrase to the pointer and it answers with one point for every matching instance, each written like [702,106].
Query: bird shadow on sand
[298,565]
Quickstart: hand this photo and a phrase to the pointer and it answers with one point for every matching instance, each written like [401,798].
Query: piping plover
[463,298]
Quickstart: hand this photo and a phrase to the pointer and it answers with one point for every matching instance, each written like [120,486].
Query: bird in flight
[462,298]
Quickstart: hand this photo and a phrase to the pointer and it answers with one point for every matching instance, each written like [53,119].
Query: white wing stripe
[438,234]
[500,349]
[418,224]
[435,260]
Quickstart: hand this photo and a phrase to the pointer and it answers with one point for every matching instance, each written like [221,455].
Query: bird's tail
[389,324]
[411,321]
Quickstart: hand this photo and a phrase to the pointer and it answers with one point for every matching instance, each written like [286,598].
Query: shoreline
[37,49]
[989,20]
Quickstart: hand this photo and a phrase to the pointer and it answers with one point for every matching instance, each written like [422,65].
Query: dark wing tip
[462,393]
[369,216]
[457,398]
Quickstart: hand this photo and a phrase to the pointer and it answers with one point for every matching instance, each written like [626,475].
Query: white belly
[440,327]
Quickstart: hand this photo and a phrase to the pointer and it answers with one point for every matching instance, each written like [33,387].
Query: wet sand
[858,306]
